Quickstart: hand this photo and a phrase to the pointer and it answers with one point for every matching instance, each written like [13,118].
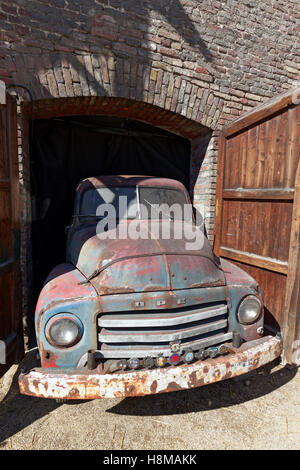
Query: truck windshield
[130,202]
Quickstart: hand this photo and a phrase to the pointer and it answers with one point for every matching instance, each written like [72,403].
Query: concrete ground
[261,411]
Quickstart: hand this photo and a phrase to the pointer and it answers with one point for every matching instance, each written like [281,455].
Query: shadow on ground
[19,411]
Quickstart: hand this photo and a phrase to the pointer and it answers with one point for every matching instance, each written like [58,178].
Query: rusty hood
[154,262]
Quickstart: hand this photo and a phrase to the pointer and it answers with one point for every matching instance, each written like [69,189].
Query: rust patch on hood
[118,265]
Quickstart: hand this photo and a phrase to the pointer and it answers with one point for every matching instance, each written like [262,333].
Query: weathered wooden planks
[257,206]
[10,283]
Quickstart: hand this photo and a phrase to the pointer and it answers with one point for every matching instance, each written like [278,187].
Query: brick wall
[208,61]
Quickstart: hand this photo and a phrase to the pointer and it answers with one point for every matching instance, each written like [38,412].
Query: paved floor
[259,412]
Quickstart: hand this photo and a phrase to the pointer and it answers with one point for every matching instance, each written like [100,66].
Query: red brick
[9,9]
[4,73]
[201,69]
[125,48]
[63,48]
[168,52]
[104,34]
[135,33]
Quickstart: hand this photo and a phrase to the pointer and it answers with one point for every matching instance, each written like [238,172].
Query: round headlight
[249,310]
[63,330]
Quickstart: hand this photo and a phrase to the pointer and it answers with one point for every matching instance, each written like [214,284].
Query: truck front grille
[149,333]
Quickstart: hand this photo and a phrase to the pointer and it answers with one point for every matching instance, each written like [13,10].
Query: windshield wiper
[88,215]
[155,208]
[89,278]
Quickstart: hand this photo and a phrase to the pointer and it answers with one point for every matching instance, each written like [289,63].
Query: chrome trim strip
[126,352]
[142,319]
[155,336]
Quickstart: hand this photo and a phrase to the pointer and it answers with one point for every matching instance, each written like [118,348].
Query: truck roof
[128,180]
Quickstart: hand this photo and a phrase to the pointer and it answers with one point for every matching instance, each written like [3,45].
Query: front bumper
[72,384]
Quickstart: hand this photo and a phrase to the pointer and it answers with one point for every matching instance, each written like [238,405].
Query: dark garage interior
[65,150]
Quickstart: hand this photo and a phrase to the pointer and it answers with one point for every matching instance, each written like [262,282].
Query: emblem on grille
[175,346]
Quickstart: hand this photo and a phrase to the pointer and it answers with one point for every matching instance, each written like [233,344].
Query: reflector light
[148,362]
[122,364]
[134,363]
[222,349]
[188,356]
[201,354]
[161,361]
[213,351]
[174,359]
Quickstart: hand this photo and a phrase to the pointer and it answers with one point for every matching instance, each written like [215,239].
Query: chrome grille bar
[128,351]
[144,336]
[153,319]
[149,333]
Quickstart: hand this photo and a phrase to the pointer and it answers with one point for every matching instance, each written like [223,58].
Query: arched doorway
[70,139]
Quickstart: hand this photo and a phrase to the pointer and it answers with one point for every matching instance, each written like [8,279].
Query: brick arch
[203,139]
[90,75]
[119,107]
[181,101]
[202,158]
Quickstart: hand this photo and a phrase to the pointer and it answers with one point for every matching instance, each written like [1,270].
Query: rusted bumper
[87,385]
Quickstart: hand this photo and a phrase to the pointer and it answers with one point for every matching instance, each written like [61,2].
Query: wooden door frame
[291,323]
[14,342]
[291,331]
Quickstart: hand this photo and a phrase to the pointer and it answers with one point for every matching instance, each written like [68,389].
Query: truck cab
[142,305]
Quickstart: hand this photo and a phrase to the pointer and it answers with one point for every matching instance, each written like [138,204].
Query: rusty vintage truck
[129,316]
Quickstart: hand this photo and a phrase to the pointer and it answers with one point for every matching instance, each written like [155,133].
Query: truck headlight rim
[71,325]
[254,311]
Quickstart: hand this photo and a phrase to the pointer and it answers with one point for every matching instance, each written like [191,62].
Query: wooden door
[257,207]
[11,337]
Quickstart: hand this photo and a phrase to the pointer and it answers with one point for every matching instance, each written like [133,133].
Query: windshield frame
[138,187]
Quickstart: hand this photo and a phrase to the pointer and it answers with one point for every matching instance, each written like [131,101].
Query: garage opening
[68,139]
[66,149]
